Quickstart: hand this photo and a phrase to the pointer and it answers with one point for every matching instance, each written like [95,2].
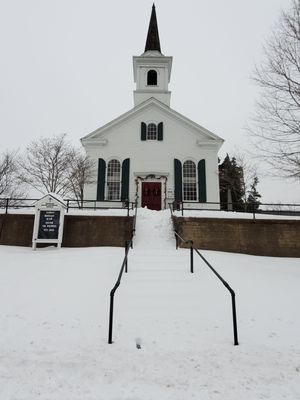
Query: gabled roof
[152,42]
[53,196]
[151,102]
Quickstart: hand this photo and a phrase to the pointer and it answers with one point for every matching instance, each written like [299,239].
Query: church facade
[153,154]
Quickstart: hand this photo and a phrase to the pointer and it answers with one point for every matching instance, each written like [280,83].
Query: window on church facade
[151,132]
[152,78]
[189,181]
[113,180]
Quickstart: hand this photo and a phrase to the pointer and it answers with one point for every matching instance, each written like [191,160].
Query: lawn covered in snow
[54,322]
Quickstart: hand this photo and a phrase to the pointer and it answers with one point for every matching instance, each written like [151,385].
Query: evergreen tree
[253,196]
[231,185]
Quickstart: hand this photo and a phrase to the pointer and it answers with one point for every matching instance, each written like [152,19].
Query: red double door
[151,195]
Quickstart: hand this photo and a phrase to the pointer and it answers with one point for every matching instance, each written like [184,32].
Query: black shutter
[202,181]
[160,129]
[125,180]
[143,131]
[177,180]
[101,179]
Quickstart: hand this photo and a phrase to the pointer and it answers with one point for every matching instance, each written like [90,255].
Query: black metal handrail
[71,204]
[134,219]
[264,208]
[226,284]
[92,205]
[124,267]
[128,245]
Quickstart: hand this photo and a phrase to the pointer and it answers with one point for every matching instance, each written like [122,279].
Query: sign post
[49,220]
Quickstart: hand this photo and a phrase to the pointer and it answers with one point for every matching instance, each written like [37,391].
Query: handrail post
[111,316]
[182,208]
[68,202]
[126,256]
[235,333]
[6,206]
[191,256]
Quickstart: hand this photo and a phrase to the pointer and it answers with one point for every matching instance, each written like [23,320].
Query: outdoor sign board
[48,224]
[49,220]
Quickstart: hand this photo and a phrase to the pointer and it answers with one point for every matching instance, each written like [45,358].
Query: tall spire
[152,42]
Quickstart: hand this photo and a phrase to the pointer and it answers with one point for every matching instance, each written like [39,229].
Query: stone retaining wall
[79,231]
[278,238]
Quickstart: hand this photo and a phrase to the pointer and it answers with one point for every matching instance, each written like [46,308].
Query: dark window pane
[152,77]
[189,181]
[151,132]
[113,180]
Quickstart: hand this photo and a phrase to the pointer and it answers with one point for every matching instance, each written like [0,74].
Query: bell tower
[152,70]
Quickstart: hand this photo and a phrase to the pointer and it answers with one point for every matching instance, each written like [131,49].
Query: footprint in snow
[138,343]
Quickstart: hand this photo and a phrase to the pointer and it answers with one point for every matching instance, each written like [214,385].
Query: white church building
[152,154]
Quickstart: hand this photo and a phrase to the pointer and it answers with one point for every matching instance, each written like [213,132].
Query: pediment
[100,135]
[50,200]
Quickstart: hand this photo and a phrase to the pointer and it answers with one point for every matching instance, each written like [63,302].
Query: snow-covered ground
[54,323]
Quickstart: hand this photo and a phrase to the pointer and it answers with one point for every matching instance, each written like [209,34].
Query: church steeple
[152,70]
[152,42]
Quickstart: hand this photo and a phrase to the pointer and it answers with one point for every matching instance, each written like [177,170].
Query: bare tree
[9,185]
[46,164]
[276,124]
[53,165]
[81,173]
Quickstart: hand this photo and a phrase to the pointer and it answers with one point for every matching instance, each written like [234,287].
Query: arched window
[113,180]
[189,181]
[152,77]
[151,132]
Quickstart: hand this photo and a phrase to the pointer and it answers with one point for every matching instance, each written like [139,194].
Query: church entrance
[151,195]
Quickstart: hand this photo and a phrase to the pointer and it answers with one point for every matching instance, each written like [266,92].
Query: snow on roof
[55,196]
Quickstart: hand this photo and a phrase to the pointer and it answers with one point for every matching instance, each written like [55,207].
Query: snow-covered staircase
[159,286]
[154,230]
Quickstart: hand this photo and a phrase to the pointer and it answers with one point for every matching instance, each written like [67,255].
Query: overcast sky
[66,66]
